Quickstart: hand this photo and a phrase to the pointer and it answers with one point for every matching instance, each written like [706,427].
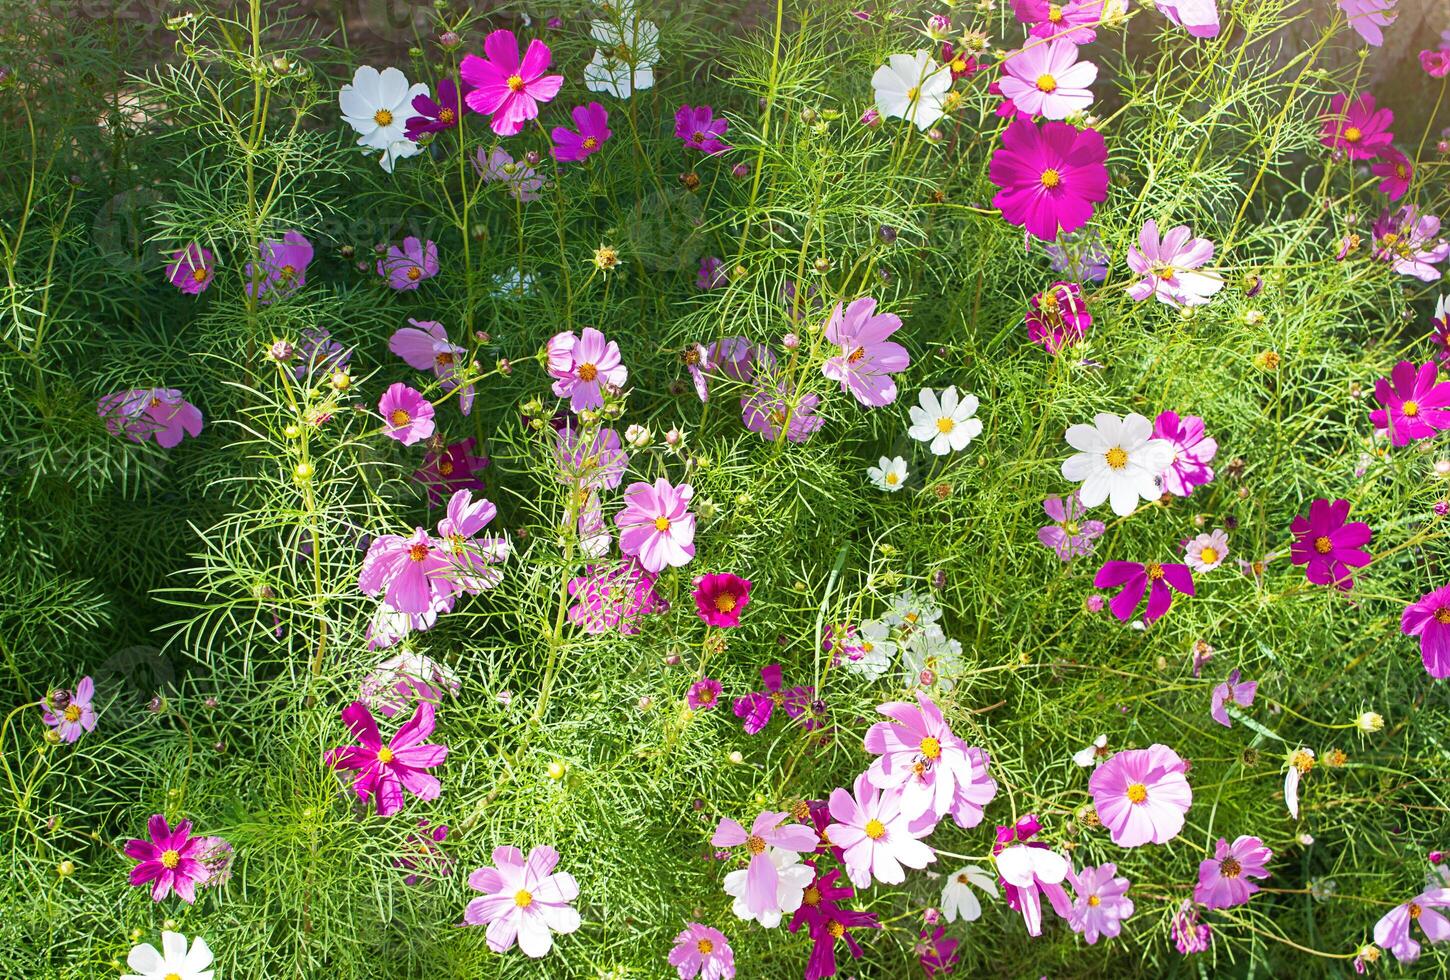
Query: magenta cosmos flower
[425,346]
[170,860]
[524,900]
[1046,79]
[145,413]
[1058,317]
[768,409]
[704,694]
[385,772]
[1223,880]
[867,359]
[435,116]
[1429,619]
[1141,795]
[1167,266]
[1393,930]
[1394,170]
[1357,129]
[191,269]
[449,470]
[407,415]
[936,953]
[1049,178]
[283,267]
[1193,449]
[407,267]
[590,132]
[769,828]
[582,365]
[506,88]
[1329,546]
[699,129]
[720,598]
[829,928]
[76,715]
[1159,579]
[1416,404]
[656,525]
[876,838]
[1100,903]
[757,707]
[1230,692]
[702,952]
[1070,536]
[1072,21]
[919,758]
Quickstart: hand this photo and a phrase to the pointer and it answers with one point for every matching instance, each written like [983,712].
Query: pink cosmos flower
[699,129]
[1159,579]
[426,858]
[384,772]
[1329,546]
[1429,619]
[144,413]
[1392,931]
[867,359]
[407,415]
[506,88]
[497,166]
[523,899]
[919,758]
[1395,170]
[425,346]
[1141,795]
[936,953]
[757,707]
[1188,934]
[876,838]
[768,408]
[1223,880]
[1357,129]
[1100,903]
[1058,317]
[1410,242]
[283,268]
[412,572]
[453,468]
[1231,692]
[407,267]
[1168,267]
[1072,21]
[614,597]
[582,365]
[704,694]
[1368,16]
[656,525]
[1049,178]
[1033,871]
[170,860]
[1046,79]
[1436,63]
[702,952]
[1416,405]
[711,274]
[473,557]
[761,879]
[1193,449]
[591,131]
[1198,17]
[191,269]
[76,715]
[1070,536]
[823,896]
[720,598]
[1207,551]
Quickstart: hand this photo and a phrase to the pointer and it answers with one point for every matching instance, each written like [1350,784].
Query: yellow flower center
[383,117]
[1208,555]
[72,713]
[706,696]
[1154,570]
[199,274]
[875,829]
[931,748]
[725,602]
[172,976]
[1046,83]
[836,929]
[1137,793]
[812,897]
[418,552]
[945,425]
[1117,457]
[1410,408]
[446,117]
[867,646]
[588,372]
[754,844]
[856,355]
[1094,901]
[1054,14]
[170,859]
[1302,761]
[400,417]
[385,754]
[516,84]
[1414,910]
[892,479]
[912,93]
[1071,528]
[1051,178]
[414,273]
[1323,544]
[523,899]
[662,524]
[705,947]
[591,143]
[1442,615]
[1352,134]
[962,878]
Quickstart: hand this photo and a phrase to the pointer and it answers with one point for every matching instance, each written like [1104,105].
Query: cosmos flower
[876,837]
[1223,880]
[169,861]
[1233,692]
[146,413]
[497,166]
[506,88]
[173,962]
[1050,177]
[375,104]
[1141,795]
[614,597]
[385,772]
[582,366]
[1100,902]
[1046,79]
[918,757]
[912,87]
[450,469]
[435,116]
[424,855]
[1072,21]
[1298,764]
[1058,317]
[704,694]
[1198,17]
[1416,404]
[75,716]
[590,132]
[1069,535]
[1395,171]
[757,707]
[629,47]
[1367,17]
[283,268]
[791,879]
[768,409]
[1328,545]
[472,557]
[1357,128]
[1392,931]
[1188,934]
[407,415]
[1093,755]
[1193,450]
[523,899]
[191,269]
[1080,255]
[936,953]
[1158,579]
[946,423]
[656,525]
[867,359]
[889,475]
[1118,459]
[590,458]
[958,900]
[425,346]
[774,830]
[1168,267]
[394,685]
[407,267]
[700,129]
[1207,551]
[1034,871]
[1410,242]
[1429,619]
[702,952]
[720,598]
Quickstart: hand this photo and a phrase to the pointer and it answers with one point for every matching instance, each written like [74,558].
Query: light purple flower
[581,366]
[1198,17]
[768,409]
[425,346]
[1410,242]
[283,268]
[407,267]
[523,900]
[1223,880]
[656,525]
[1368,16]
[918,757]
[1100,902]
[702,952]
[144,413]
[407,415]
[614,597]
[1168,265]
[710,274]
[775,830]
[867,359]
[497,165]
[1046,79]
[191,269]
[699,129]
[76,716]
[1392,931]
[590,459]
[1079,254]
[412,573]
[1070,536]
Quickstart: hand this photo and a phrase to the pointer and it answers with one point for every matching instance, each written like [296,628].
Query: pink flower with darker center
[1416,403]
[1141,795]
[425,346]
[385,772]
[1358,129]
[702,952]
[720,598]
[76,716]
[407,267]
[757,707]
[1223,880]
[1058,317]
[1193,449]
[704,694]
[506,88]
[412,573]
[656,525]
[614,597]
[1368,17]
[700,129]
[407,415]
[867,359]
[591,131]
[919,757]
[1198,17]
[191,269]
[170,860]
[1395,171]
[1231,692]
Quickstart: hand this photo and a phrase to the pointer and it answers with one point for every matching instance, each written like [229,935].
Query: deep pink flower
[407,415]
[1141,795]
[699,129]
[1071,21]
[1232,692]
[875,836]
[822,898]
[958,61]
[407,267]
[656,525]
[1367,17]
[824,933]
[144,413]
[1392,931]
[1159,579]
[702,952]
[1101,902]
[412,572]
[770,828]
[1197,17]
[170,860]
[1193,449]
[591,131]
[720,598]
[503,86]
[1329,546]
[768,408]
[1070,536]
[936,953]
[1357,128]
[1058,317]
[1410,242]
[385,772]
[425,346]
[1031,871]
[77,715]
[1395,170]
[1429,619]
[1046,79]
[1436,63]
[1188,934]
[435,116]
[581,366]
[867,359]
[424,857]
[1416,404]
[524,900]
[757,707]
[283,267]
[614,597]
[919,757]
[191,269]
[1223,880]
[450,470]
[1049,177]
[704,694]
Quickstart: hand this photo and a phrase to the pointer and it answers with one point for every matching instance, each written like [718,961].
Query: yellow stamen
[1137,793]
[383,117]
[1050,178]
[1117,457]
[875,829]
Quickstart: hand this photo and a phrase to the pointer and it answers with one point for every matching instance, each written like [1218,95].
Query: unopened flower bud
[741,170]
[1369,721]
[556,769]
[790,341]
[449,40]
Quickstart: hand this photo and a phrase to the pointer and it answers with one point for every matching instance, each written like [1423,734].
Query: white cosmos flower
[913,610]
[947,423]
[958,899]
[889,476]
[400,150]
[1301,760]
[911,87]
[174,962]
[1118,458]
[625,61]
[877,649]
[1093,755]
[791,879]
[377,105]
[929,649]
